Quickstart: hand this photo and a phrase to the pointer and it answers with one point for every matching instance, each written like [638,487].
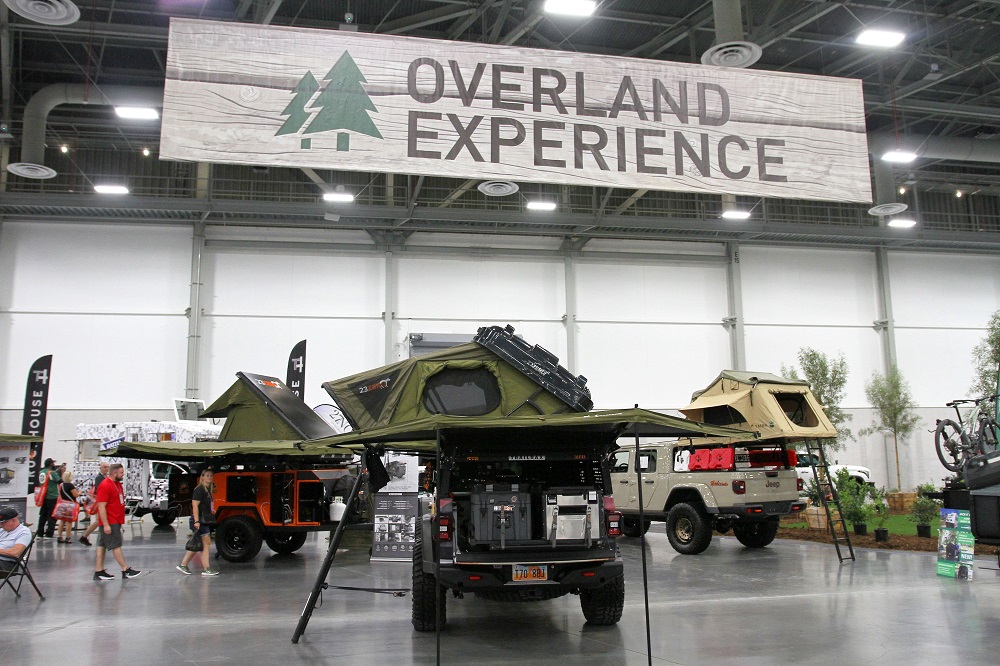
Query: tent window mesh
[797,410]
[722,415]
[462,392]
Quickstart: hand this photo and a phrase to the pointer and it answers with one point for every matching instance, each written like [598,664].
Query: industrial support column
[570,318]
[885,324]
[734,322]
[194,312]
[389,314]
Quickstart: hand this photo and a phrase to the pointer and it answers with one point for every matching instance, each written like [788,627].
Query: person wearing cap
[51,495]
[14,538]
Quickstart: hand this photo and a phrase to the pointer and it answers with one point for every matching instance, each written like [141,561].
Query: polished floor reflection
[789,603]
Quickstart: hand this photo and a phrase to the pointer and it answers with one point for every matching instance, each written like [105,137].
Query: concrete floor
[789,603]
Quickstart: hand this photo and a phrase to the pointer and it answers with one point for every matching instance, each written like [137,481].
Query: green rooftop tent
[759,401]
[19,439]
[496,375]
[244,451]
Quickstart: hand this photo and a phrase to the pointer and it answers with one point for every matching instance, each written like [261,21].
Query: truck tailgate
[770,485]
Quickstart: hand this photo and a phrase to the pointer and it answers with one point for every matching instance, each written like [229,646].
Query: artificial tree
[895,409]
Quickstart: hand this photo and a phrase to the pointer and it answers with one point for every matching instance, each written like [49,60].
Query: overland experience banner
[297,97]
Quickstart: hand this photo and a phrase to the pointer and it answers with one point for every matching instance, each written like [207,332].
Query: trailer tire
[630,527]
[163,518]
[757,534]
[285,543]
[603,605]
[424,585]
[688,529]
[238,539]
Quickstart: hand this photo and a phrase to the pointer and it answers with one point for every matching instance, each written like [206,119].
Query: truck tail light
[798,485]
[443,531]
[609,503]
[793,458]
[740,487]
[614,520]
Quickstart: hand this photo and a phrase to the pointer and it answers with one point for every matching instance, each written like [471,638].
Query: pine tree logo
[343,105]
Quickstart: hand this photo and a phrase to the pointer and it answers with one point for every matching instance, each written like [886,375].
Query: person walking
[111,514]
[94,523]
[202,521]
[46,525]
[67,493]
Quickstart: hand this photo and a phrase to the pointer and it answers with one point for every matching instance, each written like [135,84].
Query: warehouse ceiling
[943,81]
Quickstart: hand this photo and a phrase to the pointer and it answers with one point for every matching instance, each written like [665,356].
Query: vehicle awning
[189,451]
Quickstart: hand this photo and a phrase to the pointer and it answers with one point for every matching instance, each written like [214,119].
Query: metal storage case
[501,515]
[572,514]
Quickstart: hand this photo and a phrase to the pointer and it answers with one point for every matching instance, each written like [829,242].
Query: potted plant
[925,510]
[854,502]
[895,409]
[880,512]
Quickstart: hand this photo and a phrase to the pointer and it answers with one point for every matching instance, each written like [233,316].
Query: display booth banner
[956,545]
[36,405]
[395,525]
[295,376]
[298,97]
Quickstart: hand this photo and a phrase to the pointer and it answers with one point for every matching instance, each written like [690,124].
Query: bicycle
[956,443]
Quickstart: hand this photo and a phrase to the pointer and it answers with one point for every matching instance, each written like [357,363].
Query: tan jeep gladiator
[725,484]
[696,489]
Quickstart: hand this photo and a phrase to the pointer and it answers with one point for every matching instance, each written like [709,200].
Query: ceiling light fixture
[883,38]
[340,195]
[902,190]
[541,205]
[901,156]
[137,113]
[736,214]
[958,193]
[64,149]
[145,152]
[571,7]
[110,189]
[902,222]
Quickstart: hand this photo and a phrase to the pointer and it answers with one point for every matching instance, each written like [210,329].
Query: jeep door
[623,481]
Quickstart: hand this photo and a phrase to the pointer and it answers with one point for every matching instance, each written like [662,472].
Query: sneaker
[130,573]
[103,575]
[84,540]
[210,572]
[39,537]
[184,570]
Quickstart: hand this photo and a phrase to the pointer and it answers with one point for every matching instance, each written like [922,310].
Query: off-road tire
[688,529]
[756,534]
[238,539]
[163,518]
[630,527]
[603,605]
[285,543]
[424,584]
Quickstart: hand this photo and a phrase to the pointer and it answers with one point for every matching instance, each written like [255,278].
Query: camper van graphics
[268,383]
[342,105]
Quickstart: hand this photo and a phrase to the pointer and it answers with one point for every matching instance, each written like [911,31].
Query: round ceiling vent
[29,170]
[497,188]
[887,209]
[49,12]
[732,54]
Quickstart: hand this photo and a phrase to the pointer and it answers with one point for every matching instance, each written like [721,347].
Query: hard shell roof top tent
[771,405]
[495,375]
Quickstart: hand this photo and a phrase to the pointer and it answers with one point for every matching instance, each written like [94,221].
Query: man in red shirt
[111,514]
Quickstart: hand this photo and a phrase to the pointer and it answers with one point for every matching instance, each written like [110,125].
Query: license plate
[530,572]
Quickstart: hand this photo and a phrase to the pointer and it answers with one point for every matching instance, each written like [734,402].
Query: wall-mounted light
[736,214]
[110,189]
[902,222]
[883,38]
[541,205]
[901,156]
[571,7]
[137,113]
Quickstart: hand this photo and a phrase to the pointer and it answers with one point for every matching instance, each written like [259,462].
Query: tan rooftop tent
[771,405]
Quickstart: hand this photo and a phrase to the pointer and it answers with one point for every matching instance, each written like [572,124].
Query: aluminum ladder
[830,499]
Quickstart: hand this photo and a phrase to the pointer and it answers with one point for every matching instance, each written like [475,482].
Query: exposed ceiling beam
[501,20]
[424,19]
[272,9]
[793,24]
[460,27]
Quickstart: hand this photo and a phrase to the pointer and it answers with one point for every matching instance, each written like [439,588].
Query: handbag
[41,490]
[66,510]
[194,544]
[90,505]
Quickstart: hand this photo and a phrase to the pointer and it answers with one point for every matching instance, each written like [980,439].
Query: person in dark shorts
[202,521]
[111,514]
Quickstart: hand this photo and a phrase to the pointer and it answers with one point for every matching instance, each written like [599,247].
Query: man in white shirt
[14,538]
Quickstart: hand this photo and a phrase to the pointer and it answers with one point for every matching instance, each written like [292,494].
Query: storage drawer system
[501,515]
[572,514]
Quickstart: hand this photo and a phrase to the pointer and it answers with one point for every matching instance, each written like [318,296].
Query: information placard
[956,545]
[395,526]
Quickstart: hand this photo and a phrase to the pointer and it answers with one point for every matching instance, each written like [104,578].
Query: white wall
[108,301]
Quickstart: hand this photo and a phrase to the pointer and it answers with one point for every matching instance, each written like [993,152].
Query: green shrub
[856,499]
[925,510]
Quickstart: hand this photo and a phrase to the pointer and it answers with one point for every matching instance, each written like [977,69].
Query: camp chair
[20,571]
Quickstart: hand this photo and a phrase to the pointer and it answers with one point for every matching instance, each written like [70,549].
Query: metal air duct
[730,49]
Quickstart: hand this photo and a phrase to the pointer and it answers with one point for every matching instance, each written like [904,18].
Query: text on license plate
[523,572]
